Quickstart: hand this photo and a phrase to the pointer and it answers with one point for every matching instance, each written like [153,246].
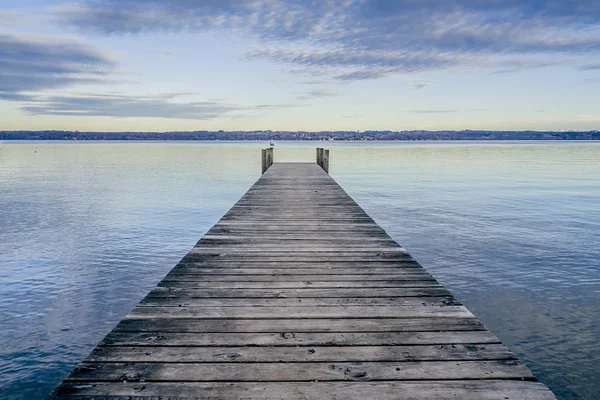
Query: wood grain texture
[285,326]
[296,293]
[297,302]
[347,390]
[299,372]
[151,339]
[252,354]
[181,293]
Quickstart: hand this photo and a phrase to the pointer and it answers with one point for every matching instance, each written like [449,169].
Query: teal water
[511,228]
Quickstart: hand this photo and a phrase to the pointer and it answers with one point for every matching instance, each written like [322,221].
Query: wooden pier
[296,293]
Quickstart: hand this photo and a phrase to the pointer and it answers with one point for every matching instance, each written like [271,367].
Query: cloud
[15,18]
[348,40]
[590,67]
[513,66]
[291,19]
[354,64]
[28,65]
[316,82]
[432,111]
[115,105]
[9,17]
[126,106]
[419,84]
[318,93]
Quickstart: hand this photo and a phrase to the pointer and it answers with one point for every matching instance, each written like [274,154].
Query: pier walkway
[296,293]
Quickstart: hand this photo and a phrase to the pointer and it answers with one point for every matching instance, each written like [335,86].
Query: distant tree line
[301,135]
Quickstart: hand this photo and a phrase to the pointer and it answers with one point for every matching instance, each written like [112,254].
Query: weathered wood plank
[364,311]
[187,277]
[381,390]
[299,285]
[246,354]
[169,292]
[167,339]
[293,270]
[300,372]
[249,237]
[283,241]
[297,256]
[248,251]
[299,226]
[291,302]
[331,265]
[285,325]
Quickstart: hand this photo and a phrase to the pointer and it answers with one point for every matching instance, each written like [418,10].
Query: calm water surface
[87,229]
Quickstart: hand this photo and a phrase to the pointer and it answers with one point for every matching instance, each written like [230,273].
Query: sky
[159,65]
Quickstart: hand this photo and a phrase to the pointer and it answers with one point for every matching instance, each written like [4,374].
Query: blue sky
[154,65]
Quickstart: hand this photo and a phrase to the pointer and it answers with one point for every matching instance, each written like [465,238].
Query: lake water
[511,228]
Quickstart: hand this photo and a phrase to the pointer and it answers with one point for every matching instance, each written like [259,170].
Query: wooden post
[267,159]
[323,158]
[270,151]
[320,156]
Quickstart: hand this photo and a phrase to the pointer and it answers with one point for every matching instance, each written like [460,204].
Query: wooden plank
[330,265]
[360,271]
[332,204]
[167,339]
[295,302]
[333,225]
[250,237]
[285,325]
[306,256]
[283,241]
[299,372]
[301,312]
[299,285]
[424,293]
[381,390]
[187,277]
[298,226]
[291,249]
[247,354]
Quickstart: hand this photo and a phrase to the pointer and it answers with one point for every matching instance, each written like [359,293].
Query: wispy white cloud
[166,105]
[33,64]
[16,18]
[367,39]
[318,93]
[513,66]
[590,67]
[325,42]
[417,84]
[120,105]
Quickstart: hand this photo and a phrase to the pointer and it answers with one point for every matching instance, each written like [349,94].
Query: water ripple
[86,230]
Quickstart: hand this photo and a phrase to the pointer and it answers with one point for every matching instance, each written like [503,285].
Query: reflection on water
[86,229]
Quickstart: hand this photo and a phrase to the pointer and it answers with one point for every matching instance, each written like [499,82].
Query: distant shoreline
[301,135]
